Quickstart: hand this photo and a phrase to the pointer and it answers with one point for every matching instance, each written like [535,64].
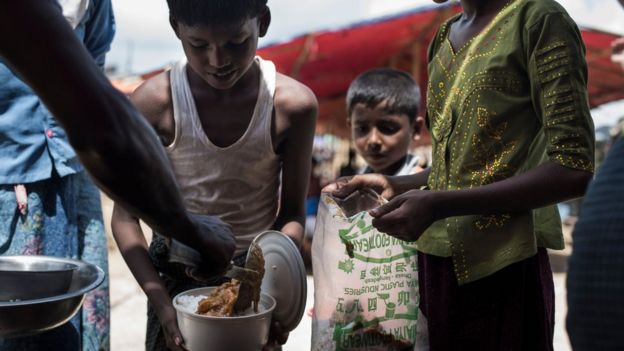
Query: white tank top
[238,183]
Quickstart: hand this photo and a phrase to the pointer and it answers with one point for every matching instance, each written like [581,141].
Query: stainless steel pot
[23,312]
[30,277]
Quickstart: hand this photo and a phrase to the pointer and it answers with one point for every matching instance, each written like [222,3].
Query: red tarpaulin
[328,61]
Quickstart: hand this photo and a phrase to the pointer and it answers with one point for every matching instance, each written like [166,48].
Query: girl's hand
[169,323]
[343,187]
[406,216]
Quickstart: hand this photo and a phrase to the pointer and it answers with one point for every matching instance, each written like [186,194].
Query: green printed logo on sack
[360,239]
[387,259]
[361,334]
[366,290]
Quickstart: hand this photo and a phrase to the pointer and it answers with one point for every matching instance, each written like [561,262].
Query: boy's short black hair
[214,12]
[396,88]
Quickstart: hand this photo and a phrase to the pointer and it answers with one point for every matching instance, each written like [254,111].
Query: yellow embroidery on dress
[559,120]
[576,163]
[442,122]
[554,45]
[490,164]
[482,116]
[553,57]
[559,111]
[560,91]
[551,66]
[460,263]
[488,221]
[493,152]
[553,61]
[553,76]
[440,127]
[564,149]
[559,101]
[470,56]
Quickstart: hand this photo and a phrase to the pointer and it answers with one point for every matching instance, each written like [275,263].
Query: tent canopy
[328,61]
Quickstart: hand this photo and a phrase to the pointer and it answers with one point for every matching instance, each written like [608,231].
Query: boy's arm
[112,140]
[386,186]
[133,247]
[408,215]
[297,108]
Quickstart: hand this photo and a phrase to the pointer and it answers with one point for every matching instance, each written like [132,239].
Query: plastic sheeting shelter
[328,61]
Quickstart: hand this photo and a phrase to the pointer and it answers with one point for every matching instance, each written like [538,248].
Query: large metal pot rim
[80,265]
[267,311]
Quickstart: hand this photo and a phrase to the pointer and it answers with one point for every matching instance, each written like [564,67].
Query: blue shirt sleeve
[99,29]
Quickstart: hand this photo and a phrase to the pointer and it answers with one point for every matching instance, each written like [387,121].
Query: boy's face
[222,54]
[381,138]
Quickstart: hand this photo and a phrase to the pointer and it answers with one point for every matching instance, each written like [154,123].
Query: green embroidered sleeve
[558,75]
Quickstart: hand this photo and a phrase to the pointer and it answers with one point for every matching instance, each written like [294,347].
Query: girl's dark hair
[396,88]
[214,12]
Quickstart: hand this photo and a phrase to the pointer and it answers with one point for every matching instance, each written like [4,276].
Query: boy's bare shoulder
[292,98]
[153,98]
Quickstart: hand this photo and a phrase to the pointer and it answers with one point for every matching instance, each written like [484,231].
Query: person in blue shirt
[107,132]
[48,204]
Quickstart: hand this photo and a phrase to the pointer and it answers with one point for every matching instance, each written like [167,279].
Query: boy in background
[235,132]
[382,107]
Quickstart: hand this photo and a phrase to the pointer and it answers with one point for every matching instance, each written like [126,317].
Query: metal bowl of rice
[247,332]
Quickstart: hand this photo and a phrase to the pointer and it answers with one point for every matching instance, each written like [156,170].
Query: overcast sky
[145,41]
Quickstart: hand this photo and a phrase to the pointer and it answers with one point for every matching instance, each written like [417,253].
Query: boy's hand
[343,187]
[217,243]
[406,216]
[169,323]
[277,337]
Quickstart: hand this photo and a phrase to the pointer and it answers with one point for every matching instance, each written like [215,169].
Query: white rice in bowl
[189,303]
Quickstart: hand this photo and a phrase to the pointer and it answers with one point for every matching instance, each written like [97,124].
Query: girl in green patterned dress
[512,135]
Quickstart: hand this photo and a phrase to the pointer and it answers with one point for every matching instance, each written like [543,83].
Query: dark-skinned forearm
[293,227]
[411,182]
[545,185]
[112,140]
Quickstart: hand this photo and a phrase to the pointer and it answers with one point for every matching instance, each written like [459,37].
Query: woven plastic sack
[365,281]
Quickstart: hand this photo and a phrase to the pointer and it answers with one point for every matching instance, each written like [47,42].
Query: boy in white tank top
[239,139]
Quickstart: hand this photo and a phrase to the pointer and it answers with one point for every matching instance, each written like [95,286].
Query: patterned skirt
[63,218]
